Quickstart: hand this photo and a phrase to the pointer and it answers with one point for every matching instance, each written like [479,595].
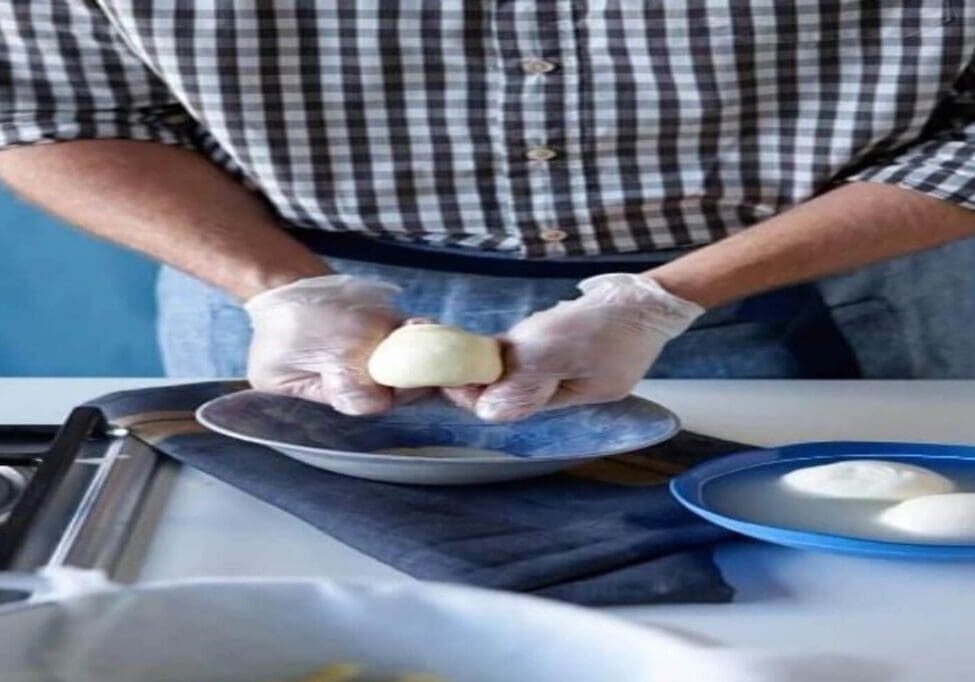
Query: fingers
[463,396]
[521,391]
[516,397]
[419,320]
[350,391]
[307,387]
[585,392]
[363,402]
[525,398]
[342,389]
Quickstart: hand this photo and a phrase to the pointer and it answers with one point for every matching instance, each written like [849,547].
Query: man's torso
[550,128]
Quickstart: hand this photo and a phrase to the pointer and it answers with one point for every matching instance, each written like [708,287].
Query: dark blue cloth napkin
[606,533]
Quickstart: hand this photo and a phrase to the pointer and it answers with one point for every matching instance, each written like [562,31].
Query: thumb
[516,396]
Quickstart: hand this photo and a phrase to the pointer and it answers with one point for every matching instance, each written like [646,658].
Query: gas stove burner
[12,484]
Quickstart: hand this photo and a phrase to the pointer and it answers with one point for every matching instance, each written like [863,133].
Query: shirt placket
[575,224]
[528,58]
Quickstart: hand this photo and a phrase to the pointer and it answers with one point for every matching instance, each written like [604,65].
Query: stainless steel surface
[100,527]
[46,530]
[142,533]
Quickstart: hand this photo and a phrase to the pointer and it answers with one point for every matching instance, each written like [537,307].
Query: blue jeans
[913,317]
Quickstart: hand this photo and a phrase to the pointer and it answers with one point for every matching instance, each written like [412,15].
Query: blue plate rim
[376,457]
[686,489]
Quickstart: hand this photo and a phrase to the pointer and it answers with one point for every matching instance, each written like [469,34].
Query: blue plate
[318,435]
[696,487]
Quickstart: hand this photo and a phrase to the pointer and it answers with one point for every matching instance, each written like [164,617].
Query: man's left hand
[591,349]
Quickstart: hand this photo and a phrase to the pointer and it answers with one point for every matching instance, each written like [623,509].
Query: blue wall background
[71,305]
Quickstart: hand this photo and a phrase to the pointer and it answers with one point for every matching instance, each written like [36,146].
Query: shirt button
[537,66]
[554,235]
[541,153]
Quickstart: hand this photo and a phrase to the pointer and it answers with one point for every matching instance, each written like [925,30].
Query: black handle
[82,423]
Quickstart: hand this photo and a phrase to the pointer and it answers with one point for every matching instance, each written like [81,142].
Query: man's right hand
[313,338]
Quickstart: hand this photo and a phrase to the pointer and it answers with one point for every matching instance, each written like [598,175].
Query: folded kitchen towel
[605,533]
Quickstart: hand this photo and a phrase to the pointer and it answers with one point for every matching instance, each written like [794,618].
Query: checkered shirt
[537,128]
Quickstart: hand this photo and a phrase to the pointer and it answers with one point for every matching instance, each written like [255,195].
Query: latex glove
[312,339]
[592,349]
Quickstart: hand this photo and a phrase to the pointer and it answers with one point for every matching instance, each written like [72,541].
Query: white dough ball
[947,517]
[420,355]
[867,479]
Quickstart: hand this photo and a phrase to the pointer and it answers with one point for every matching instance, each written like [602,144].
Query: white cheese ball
[422,355]
[945,517]
[867,479]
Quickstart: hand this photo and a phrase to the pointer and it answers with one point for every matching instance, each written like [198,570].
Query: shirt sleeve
[66,74]
[941,163]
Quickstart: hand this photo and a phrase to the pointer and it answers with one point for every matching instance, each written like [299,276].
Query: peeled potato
[426,355]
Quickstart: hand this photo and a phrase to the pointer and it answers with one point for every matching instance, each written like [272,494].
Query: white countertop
[916,617]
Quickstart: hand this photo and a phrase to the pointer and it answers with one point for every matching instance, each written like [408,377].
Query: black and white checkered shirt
[541,128]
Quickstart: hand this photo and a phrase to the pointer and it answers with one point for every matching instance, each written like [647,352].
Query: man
[486,156]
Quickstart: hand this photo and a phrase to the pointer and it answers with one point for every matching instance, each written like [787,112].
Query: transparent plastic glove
[312,339]
[592,349]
